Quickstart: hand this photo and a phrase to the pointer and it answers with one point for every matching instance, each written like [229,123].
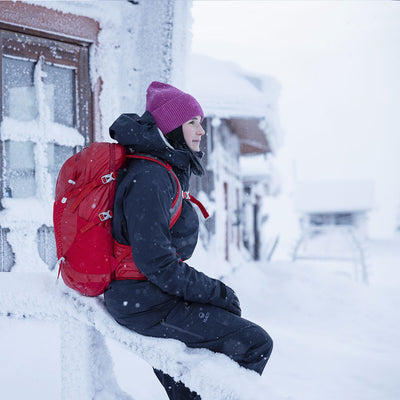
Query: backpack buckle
[108,178]
[105,215]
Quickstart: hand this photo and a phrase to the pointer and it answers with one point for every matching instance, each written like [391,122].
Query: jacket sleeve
[147,205]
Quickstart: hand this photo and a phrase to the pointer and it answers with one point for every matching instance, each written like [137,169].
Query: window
[7,257]
[57,154]
[45,104]
[19,171]
[47,245]
[45,117]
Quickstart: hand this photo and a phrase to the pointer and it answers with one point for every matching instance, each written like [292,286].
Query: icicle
[38,76]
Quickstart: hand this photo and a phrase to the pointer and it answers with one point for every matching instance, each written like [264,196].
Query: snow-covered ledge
[86,363]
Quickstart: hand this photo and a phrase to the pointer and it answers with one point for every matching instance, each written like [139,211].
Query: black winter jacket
[144,194]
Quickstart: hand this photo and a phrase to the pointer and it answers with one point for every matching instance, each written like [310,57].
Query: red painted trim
[56,24]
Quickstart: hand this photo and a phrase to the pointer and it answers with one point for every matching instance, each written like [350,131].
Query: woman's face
[192,133]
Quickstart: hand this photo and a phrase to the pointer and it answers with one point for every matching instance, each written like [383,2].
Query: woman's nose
[201,131]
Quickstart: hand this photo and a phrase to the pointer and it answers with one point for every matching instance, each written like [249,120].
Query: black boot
[175,390]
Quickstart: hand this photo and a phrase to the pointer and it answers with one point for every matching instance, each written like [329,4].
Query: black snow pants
[145,309]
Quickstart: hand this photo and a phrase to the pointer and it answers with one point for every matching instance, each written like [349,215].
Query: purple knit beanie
[170,107]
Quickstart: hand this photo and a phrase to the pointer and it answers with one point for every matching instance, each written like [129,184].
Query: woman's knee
[259,346]
[262,340]
[269,344]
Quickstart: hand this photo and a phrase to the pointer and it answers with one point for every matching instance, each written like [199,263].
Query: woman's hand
[228,300]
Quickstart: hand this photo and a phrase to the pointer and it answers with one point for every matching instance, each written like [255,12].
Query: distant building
[241,122]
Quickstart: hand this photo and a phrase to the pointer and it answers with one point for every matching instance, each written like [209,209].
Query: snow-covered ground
[335,338]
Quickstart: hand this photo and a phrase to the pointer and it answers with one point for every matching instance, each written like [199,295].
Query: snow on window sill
[34,210]
[13,129]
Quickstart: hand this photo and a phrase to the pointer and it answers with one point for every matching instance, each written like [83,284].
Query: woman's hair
[176,138]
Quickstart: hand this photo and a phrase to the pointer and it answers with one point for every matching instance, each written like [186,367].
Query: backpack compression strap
[84,190]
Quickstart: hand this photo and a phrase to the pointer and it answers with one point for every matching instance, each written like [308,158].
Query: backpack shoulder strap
[176,207]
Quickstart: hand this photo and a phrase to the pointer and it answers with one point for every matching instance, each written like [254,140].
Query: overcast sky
[338,64]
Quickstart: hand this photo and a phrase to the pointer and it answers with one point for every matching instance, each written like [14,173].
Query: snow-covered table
[333,210]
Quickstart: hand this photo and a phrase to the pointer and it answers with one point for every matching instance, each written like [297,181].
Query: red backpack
[82,216]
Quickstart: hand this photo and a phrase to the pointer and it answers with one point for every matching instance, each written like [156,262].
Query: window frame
[56,50]
[60,54]
[51,33]
[46,23]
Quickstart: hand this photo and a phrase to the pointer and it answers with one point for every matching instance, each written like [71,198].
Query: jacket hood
[141,133]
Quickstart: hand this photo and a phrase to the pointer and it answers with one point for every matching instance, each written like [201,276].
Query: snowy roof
[334,196]
[226,90]
[253,139]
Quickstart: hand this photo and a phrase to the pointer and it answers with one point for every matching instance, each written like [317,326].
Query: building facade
[68,69]
[241,123]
